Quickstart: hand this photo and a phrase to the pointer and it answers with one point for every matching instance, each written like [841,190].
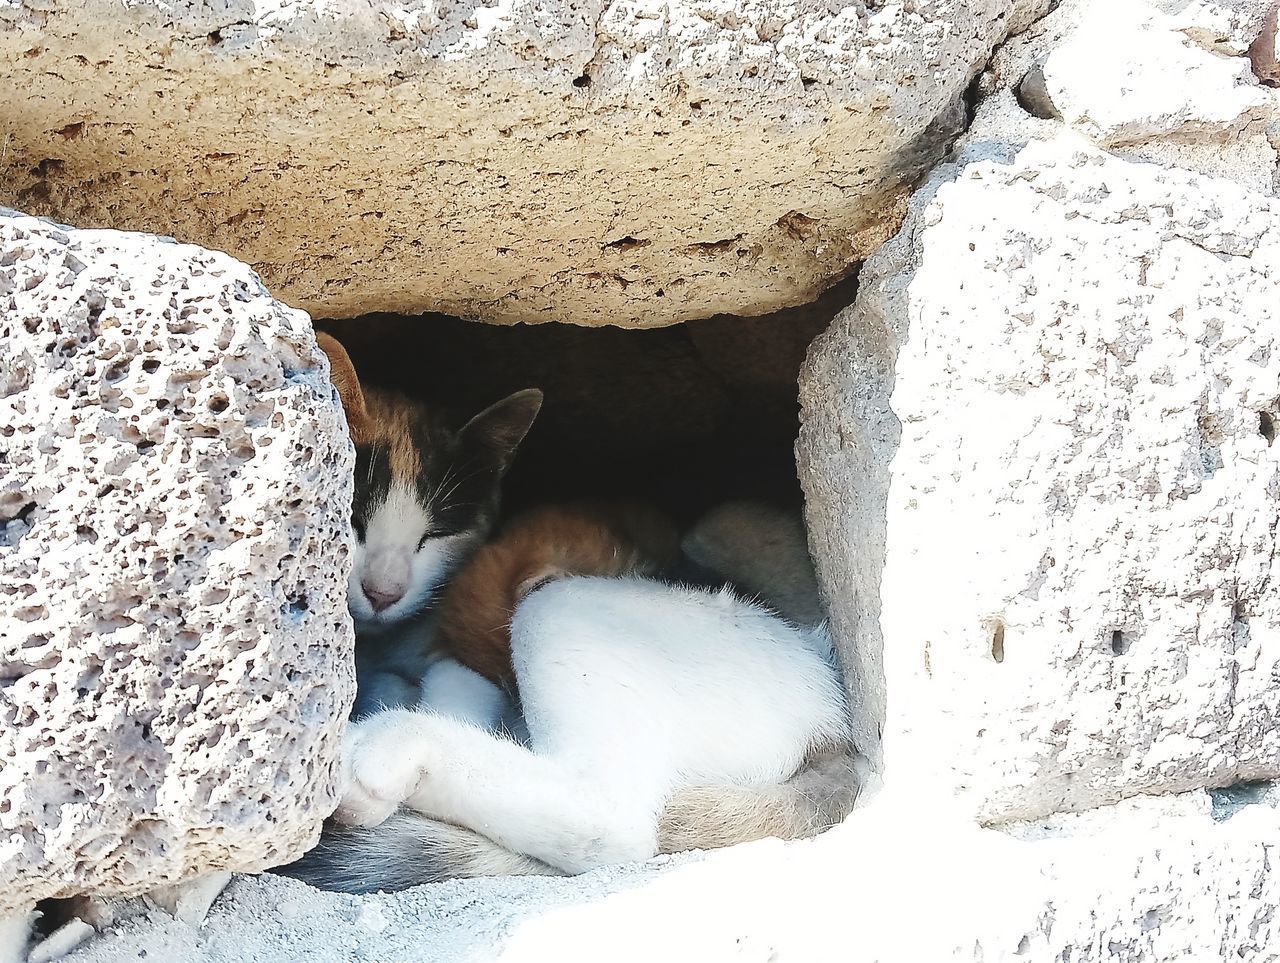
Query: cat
[762,550]
[474,626]
[656,718]
[426,495]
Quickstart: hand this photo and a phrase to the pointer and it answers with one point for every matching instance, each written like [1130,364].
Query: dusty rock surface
[174,498]
[627,162]
[1153,879]
[1167,83]
[1039,448]
[1081,526]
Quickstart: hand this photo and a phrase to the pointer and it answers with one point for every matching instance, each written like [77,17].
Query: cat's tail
[410,849]
[406,850]
[820,795]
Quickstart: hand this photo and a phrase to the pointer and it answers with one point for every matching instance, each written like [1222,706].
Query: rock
[1050,416]
[1150,84]
[61,942]
[189,901]
[1262,54]
[175,650]
[634,163]
[1223,26]
[1086,887]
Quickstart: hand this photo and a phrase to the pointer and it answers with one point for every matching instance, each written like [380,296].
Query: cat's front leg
[384,759]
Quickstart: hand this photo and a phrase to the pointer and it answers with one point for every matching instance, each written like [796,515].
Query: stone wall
[1039,449]
[175,649]
[1044,493]
[633,163]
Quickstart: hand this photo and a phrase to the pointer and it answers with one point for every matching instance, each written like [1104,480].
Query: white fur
[449,688]
[631,690]
[389,559]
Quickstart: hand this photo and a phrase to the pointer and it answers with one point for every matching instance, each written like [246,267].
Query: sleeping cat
[535,548]
[426,495]
[656,718]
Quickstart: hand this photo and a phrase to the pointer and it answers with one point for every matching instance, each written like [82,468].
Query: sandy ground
[275,920]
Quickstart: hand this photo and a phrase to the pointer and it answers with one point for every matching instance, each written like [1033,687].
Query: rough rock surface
[1080,533]
[174,640]
[627,162]
[1165,82]
[1179,878]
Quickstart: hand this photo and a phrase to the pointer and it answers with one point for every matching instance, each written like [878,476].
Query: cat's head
[426,489]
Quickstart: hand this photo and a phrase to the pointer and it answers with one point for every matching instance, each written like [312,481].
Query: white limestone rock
[631,162]
[175,650]
[1148,81]
[1065,371]
[1224,26]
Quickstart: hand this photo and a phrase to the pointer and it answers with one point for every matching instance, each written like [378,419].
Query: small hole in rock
[1032,94]
[1267,426]
[583,81]
[997,640]
[1120,641]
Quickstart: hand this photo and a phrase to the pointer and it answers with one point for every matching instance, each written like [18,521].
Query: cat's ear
[343,375]
[498,430]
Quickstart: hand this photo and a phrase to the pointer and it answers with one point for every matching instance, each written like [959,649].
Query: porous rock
[629,162]
[175,650]
[1041,445]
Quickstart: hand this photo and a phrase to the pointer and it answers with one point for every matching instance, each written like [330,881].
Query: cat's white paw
[380,767]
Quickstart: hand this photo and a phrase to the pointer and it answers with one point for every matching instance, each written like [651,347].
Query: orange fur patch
[390,425]
[343,375]
[544,544]
[376,418]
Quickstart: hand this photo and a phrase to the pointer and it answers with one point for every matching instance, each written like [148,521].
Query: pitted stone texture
[630,162]
[175,650]
[1066,373]
[1166,82]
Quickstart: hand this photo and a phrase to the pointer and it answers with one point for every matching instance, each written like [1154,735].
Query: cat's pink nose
[381,599]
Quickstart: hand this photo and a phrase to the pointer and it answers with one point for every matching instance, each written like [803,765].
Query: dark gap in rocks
[1121,641]
[1267,426]
[1227,801]
[971,97]
[686,417]
[627,243]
